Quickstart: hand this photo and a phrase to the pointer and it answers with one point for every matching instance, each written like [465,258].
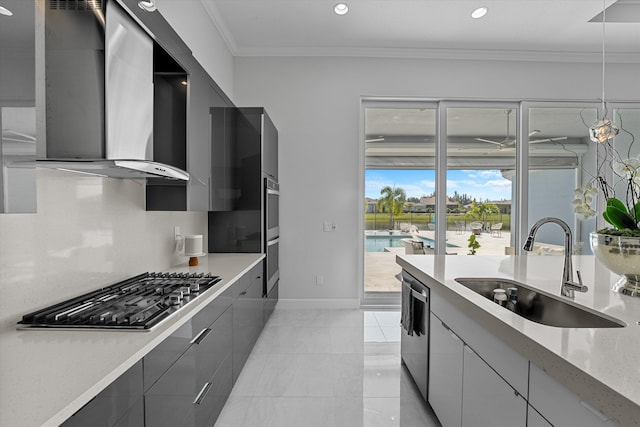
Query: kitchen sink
[541,307]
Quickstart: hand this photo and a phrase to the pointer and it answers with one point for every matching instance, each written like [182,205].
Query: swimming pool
[377,242]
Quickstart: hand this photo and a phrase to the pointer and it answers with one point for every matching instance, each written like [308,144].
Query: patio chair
[476,227]
[459,227]
[496,230]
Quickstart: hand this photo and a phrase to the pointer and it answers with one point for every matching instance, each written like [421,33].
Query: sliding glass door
[481,146]
[399,181]
[470,177]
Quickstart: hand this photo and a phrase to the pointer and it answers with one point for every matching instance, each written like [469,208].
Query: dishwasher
[414,341]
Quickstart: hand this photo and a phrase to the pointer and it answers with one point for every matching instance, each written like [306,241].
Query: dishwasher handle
[420,296]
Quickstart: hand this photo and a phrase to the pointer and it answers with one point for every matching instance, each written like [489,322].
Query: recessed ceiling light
[5,11]
[341,9]
[147,5]
[479,12]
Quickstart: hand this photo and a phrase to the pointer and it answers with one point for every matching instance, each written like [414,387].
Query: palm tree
[392,201]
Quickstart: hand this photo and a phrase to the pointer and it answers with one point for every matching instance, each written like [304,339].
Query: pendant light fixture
[603,129]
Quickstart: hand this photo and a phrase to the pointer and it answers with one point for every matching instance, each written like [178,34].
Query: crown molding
[411,53]
[219,24]
[447,54]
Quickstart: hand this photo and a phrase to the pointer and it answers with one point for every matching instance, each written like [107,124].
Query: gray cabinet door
[248,317]
[445,373]
[180,396]
[487,400]
[269,148]
[198,141]
[270,302]
[119,400]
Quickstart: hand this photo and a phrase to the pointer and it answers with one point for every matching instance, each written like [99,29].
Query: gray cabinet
[223,190]
[248,316]
[182,121]
[259,136]
[487,400]
[445,373]
[193,390]
[270,302]
[118,405]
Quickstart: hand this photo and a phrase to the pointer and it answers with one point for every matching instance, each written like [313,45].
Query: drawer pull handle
[202,394]
[202,335]
[243,293]
[597,412]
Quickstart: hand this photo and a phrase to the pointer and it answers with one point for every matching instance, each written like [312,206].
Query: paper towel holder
[193,248]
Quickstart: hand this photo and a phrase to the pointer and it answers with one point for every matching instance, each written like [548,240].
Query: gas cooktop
[138,303]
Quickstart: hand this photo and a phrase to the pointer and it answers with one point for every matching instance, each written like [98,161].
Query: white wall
[314,102]
[191,20]
[88,232]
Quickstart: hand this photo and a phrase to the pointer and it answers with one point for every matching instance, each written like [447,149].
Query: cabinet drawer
[108,407]
[201,409]
[245,282]
[561,406]
[198,364]
[158,360]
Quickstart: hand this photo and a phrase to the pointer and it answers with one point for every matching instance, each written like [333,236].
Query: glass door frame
[442,166]
[378,299]
[521,193]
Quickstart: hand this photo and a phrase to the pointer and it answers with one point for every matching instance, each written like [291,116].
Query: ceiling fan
[15,136]
[508,142]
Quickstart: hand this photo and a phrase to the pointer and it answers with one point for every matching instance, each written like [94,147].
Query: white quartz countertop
[600,365]
[46,376]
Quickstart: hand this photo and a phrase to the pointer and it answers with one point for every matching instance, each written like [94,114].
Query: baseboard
[318,303]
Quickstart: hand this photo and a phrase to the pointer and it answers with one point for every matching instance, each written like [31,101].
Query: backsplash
[89,232]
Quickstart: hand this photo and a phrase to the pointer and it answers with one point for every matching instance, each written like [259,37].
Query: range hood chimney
[98,69]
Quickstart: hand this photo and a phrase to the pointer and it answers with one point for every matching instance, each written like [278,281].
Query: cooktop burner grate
[138,303]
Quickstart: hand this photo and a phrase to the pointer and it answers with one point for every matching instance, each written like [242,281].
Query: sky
[479,184]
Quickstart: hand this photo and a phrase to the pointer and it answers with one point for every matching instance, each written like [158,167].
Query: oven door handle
[273,192]
[273,242]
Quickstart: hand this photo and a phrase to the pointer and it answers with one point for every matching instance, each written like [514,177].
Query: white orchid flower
[628,168]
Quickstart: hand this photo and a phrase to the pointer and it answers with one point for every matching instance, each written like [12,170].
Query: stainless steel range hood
[98,69]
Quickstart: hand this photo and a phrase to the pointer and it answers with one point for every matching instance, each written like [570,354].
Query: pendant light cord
[604,18]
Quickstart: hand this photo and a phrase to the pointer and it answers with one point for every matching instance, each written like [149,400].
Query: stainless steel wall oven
[272,233]
[272,202]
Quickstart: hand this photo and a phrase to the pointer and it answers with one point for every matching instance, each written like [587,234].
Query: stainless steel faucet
[568,285]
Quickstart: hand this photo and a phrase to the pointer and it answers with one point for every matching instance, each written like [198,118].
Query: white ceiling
[512,29]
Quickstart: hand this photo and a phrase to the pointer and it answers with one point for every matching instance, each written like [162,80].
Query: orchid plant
[622,214]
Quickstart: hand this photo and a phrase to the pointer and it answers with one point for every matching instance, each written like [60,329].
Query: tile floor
[327,368]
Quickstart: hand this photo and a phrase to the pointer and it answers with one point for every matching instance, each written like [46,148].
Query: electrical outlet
[319,280]
[176,232]
[329,226]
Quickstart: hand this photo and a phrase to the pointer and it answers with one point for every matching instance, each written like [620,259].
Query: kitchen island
[597,364]
[46,376]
